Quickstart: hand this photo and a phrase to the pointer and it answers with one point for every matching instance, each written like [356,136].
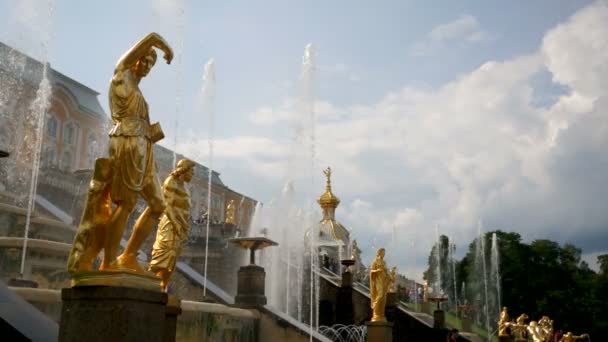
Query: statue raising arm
[142,48]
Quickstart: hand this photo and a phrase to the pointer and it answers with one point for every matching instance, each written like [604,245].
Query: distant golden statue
[425,292]
[569,337]
[230,213]
[378,283]
[131,141]
[392,280]
[503,323]
[175,223]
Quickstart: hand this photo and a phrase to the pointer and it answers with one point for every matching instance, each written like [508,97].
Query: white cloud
[475,147]
[464,30]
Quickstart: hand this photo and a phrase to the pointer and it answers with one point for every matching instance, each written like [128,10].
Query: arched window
[66,161]
[51,126]
[69,133]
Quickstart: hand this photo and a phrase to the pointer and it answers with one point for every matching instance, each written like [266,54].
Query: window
[51,126]
[69,133]
[66,161]
[48,158]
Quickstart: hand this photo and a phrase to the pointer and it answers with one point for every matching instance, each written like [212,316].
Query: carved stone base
[380,331]
[250,288]
[108,313]
[122,278]
[174,309]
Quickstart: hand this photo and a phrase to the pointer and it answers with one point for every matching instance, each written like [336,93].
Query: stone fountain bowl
[347,262]
[253,243]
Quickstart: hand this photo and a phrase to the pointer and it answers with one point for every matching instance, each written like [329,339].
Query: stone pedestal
[250,287]
[112,313]
[438,319]
[426,307]
[381,331]
[391,306]
[344,301]
[173,309]
[467,324]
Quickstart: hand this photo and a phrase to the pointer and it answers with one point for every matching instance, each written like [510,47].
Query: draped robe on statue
[173,227]
[379,284]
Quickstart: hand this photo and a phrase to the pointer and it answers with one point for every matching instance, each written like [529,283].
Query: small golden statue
[392,280]
[503,323]
[175,223]
[569,337]
[546,326]
[520,327]
[378,284]
[231,213]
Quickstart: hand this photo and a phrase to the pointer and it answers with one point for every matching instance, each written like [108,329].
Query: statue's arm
[141,48]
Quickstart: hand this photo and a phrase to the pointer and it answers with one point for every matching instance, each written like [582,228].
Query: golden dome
[328,199]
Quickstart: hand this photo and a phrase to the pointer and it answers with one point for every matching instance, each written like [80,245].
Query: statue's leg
[146,222]
[116,228]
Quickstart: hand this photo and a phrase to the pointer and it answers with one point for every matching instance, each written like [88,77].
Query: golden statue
[230,213]
[569,337]
[378,284]
[392,279]
[520,327]
[131,141]
[175,223]
[90,237]
[546,326]
[503,323]
[534,332]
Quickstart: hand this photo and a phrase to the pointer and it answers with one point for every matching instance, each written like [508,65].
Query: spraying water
[452,251]
[37,115]
[208,101]
[481,261]
[495,272]
[178,75]
[437,285]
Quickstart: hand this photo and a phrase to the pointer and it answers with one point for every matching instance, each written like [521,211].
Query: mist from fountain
[208,96]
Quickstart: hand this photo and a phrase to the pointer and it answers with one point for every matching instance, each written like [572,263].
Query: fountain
[251,278]
[495,273]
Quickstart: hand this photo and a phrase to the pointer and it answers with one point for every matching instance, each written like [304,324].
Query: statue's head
[184,170]
[381,253]
[145,64]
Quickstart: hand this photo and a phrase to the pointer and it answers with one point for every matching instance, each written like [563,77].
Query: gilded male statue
[378,283]
[174,224]
[131,144]
[503,323]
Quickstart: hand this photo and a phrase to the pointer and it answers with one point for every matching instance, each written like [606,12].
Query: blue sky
[429,112]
